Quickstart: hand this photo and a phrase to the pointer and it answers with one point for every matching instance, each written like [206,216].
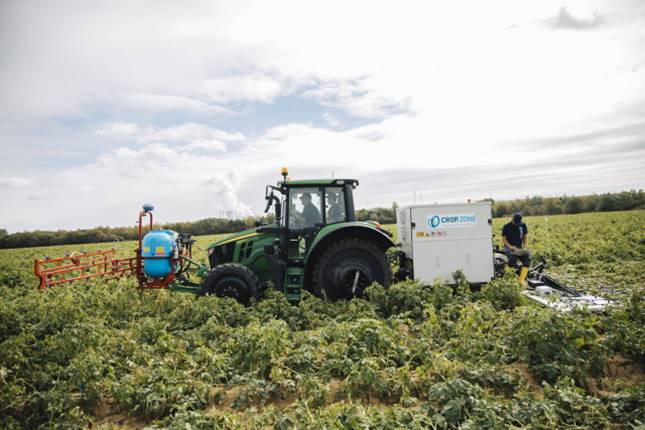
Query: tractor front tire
[231,280]
[347,267]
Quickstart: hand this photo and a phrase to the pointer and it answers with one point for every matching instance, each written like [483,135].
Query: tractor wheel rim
[231,290]
[355,281]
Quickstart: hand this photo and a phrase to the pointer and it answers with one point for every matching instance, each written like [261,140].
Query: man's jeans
[518,254]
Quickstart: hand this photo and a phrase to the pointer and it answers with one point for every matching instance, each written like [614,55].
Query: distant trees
[113,234]
[573,205]
[536,205]
[382,215]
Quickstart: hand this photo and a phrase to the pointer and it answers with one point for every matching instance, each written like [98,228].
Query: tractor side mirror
[269,198]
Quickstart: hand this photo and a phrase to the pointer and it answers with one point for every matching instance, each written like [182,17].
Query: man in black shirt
[514,237]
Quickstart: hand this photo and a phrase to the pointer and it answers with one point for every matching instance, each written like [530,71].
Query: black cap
[517,217]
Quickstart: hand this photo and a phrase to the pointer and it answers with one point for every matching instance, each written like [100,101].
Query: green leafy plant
[412,356]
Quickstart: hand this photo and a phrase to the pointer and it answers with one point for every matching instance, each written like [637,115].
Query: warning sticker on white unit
[450,221]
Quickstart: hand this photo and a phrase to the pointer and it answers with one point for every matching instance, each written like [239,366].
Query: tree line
[536,205]
[114,234]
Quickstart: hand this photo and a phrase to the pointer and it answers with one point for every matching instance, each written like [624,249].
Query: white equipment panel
[441,239]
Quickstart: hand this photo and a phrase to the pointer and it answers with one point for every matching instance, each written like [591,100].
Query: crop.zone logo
[450,221]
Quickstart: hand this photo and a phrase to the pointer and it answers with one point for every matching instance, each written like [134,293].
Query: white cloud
[356,98]
[193,135]
[578,19]
[14,182]
[118,129]
[163,102]
[181,184]
[208,145]
[249,87]
[188,132]
[332,120]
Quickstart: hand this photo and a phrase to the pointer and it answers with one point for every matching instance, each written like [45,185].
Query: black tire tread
[346,244]
[230,269]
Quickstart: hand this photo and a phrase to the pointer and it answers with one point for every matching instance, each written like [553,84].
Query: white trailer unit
[443,238]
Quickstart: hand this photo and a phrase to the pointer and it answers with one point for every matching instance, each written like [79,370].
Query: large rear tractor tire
[231,280]
[347,267]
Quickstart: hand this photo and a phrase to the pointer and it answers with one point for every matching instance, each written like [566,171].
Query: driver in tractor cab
[310,212]
[515,237]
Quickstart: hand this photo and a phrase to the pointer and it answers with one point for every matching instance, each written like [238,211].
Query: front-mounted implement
[163,259]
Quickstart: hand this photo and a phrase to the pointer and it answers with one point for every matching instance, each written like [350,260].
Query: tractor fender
[335,232]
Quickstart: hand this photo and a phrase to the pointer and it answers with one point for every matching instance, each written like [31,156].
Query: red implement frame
[81,265]
[87,265]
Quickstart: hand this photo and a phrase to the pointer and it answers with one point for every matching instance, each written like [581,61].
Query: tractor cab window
[335,202]
[304,208]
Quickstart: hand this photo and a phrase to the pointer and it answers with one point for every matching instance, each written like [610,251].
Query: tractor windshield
[304,208]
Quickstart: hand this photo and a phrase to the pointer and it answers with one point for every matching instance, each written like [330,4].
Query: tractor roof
[319,182]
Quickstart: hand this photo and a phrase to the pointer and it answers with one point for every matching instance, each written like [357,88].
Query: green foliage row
[440,355]
[412,356]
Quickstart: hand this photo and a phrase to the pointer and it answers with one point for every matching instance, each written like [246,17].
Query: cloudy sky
[195,106]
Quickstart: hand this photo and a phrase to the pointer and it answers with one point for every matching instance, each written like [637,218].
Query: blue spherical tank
[158,243]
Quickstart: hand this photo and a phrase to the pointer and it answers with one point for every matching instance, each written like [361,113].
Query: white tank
[443,238]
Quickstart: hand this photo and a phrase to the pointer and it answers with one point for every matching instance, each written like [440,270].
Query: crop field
[99,354]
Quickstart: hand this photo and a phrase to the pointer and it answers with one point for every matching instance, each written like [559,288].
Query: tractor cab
[315,243]
[311,216]
[311,205]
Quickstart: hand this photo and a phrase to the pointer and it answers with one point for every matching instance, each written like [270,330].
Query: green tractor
[314,244]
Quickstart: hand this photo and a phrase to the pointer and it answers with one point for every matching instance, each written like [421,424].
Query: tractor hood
[234,237]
